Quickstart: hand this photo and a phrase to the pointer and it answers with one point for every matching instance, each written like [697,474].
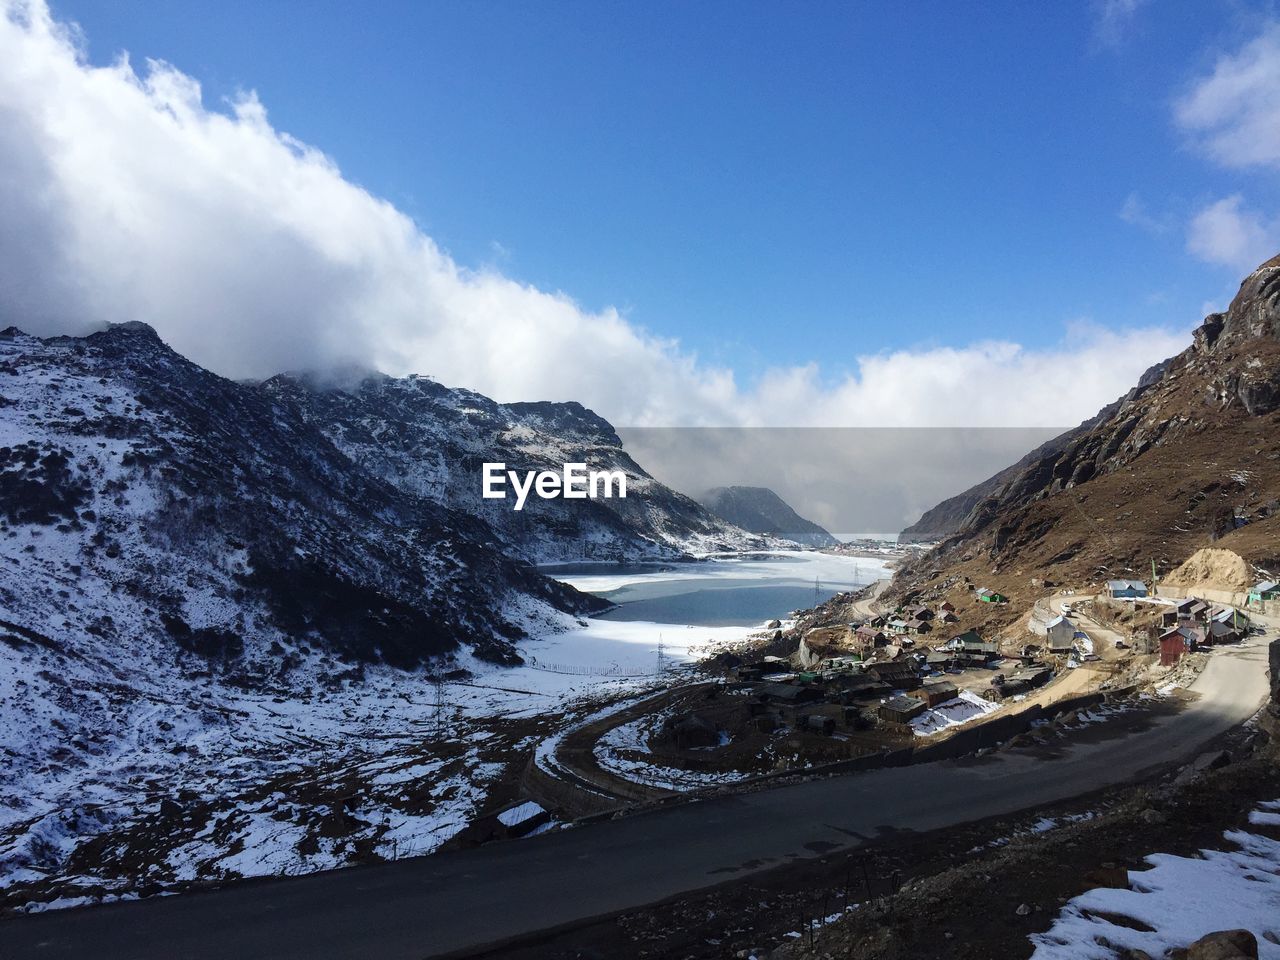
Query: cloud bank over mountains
[126,197]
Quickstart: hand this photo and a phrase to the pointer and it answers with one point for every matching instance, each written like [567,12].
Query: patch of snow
[1176,902]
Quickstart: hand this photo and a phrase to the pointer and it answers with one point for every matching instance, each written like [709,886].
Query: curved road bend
[417,908]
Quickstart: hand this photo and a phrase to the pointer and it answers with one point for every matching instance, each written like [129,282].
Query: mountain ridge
[761,510]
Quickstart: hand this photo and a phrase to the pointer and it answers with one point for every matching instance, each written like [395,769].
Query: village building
[939,659]
[1061,635]
[901,710]
[1126,589]
[969,648]
[870,636]
[1262,591]
[990,596]
[935,692]
[1232,616]
[1222,633]
[1180,611]
[899,674]
[1173,646]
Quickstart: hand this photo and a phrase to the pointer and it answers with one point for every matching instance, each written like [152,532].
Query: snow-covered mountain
[761,510]
[219,603]
[429,440]
[144,496]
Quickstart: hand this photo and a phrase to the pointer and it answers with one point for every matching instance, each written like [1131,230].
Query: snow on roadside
[1176,902]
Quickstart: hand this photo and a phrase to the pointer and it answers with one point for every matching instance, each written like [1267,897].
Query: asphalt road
[417,908]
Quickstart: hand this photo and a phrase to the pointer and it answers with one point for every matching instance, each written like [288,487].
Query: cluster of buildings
[878,673]
[1194,624]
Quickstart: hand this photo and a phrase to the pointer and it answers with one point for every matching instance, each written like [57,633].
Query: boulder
[1225,945]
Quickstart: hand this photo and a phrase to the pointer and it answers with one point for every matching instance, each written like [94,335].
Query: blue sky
[764,182]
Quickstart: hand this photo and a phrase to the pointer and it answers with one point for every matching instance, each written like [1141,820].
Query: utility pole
[662,656]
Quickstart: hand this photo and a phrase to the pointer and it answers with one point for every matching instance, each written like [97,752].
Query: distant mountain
[760,510]
[429,440]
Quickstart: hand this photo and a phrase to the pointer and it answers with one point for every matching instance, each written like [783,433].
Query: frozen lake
[740,590]
[690,609]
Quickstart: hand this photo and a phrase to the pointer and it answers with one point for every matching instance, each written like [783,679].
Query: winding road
[419,908]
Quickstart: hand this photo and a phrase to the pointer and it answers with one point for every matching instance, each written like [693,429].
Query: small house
[963,640]
[970,648]
[901,710]
[1035,676]
[1061,635]
[1180,611]
[939,659]
[918,627]
[1126,589]
[947,616]
[870,636]
[921,613]
[990,596]
[935,692]
[899,674]
[1173,645]
[1217,633]
[1264,590]
[947,606]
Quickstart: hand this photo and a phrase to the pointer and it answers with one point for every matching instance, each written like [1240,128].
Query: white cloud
[1234,111]
[1229,234]
[126,198]
[1135,212]
[1113,19]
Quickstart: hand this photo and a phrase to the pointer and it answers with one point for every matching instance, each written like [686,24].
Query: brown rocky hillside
[1189,458]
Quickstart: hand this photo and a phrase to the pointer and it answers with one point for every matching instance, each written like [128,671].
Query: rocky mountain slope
[1189,457]
[429,440]
[760,510]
